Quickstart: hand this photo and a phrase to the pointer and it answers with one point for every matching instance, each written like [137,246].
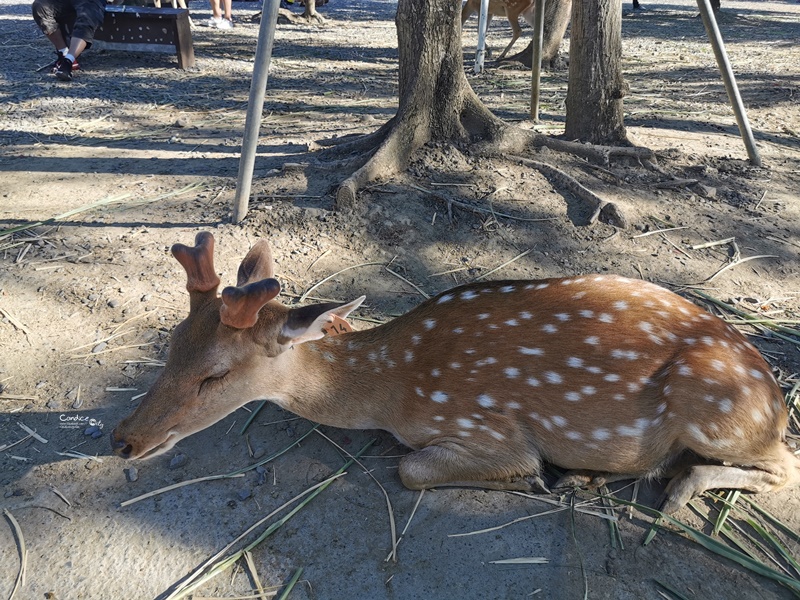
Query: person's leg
[227,7]
[49,15]
[216,13]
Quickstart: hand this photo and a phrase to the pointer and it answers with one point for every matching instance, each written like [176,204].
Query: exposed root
[287,16]
[607,212]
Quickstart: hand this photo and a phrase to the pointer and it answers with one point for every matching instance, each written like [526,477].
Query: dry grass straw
[715,545]
[305,294]
[216,564]
[393,553]
[788,334]
[23,553]
[392,525]
[110,201]
[232,474]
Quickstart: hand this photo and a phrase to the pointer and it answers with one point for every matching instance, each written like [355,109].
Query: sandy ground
[88,301]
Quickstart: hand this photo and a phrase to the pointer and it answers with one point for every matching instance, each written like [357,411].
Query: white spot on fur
[435,373]
[533,382]
[620,305]
[572,396]
[553,377]
[592,340]
[513,405]
[625,354]
[485,400]
[429,324]
[531,351]
[611,377]
[511,372]
[563,317]
[756,374]
[574,362]
[559,421]
[409,356]
[605,318]
[525,315]
[507,288]
[646,327]
[489,360]
[438,418]
[573,435]
[420,393]
[548,328]
[588,390]
[717,365]
[586,314]
[468,295]
[542,286]
[415,339]
[458,330]
[439,397]
[685,370]
[445,298]
[455,365]
[725,405]
[512,322]
[484,316]
[465,423]
[601,434]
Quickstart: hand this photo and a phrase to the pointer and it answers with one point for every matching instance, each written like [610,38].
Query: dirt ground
[87,302]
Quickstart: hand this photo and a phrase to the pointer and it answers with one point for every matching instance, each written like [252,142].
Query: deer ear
[257,265]
[305,324]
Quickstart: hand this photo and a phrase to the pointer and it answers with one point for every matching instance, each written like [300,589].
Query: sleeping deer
[512,9]
[606,377]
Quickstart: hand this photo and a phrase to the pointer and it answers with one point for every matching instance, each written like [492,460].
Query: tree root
[287,16]
[607,212]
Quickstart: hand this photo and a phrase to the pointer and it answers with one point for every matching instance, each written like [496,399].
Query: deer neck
[346,381]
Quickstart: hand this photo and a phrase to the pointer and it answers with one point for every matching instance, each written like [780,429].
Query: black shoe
[64,69]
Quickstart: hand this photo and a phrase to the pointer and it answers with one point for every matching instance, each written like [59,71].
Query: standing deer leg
[516,31]
[458,466]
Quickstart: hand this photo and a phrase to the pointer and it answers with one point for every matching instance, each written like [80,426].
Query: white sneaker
[214,22]
[224,24]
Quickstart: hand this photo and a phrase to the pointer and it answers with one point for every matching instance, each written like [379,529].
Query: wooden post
[255,106]
[536,61]
[725,69]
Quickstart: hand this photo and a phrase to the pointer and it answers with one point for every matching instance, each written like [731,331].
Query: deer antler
[198,262]
[240,305]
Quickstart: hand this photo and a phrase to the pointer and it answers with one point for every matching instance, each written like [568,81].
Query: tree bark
[436,101]
[556,19]
[596,85]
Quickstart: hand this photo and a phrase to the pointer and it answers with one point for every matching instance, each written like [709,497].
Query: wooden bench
[143,29]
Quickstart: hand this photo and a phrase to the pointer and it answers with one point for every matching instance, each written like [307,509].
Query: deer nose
[120,447]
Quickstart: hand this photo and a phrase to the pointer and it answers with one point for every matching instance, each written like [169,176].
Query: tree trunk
[436,100]
[556,19]
[596,86]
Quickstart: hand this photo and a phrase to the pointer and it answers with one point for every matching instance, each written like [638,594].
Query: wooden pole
[536,61]
[725,69]
[255,107]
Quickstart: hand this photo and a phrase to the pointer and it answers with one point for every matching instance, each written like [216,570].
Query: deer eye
[210,382]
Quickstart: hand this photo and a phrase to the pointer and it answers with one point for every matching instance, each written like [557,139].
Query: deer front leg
[516,31]
[452,465]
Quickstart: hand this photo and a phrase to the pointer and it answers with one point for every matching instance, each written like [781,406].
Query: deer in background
[607,377]
[512,9]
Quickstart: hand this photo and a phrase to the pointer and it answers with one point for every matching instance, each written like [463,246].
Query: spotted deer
[511,9]
[606,377]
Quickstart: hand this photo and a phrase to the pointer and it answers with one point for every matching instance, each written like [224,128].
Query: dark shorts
[81,17]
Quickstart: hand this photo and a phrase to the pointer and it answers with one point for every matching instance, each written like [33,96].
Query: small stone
[244,494]
[113,303]
[91,430]
[131,474]
[90,465]
[177,461]
[99,348]
[259,453]
[97,434]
